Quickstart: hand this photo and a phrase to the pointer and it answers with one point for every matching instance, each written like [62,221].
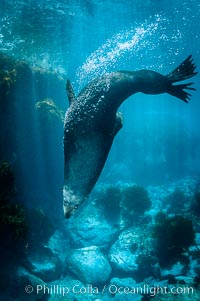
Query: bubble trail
[108,55]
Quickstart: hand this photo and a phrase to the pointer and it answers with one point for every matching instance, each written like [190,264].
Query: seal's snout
[70,202]
[67,215]
[68,211]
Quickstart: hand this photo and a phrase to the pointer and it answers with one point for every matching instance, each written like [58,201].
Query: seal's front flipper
[70,92]
[118,123]
[184,71]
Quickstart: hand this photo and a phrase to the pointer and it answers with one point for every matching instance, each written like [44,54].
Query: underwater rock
[126,297]
[40,226]
[126,282]
[49,84]
[176,202]
[134,246]
[24,287]
[49,113]
[44,264]
[108,198]
[135,199]
[121,255]
[9,262]
[173,197]
[20,139]
[185,280]
[197,239]
[13,226]
[176,270]
[89,265]
[124,289]
[174,235]
[196,266]
[90,227]
[186,293]
[195,206]
[59,244]
[7,75]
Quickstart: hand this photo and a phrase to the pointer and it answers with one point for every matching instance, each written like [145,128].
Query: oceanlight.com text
[110,289]
[150,290]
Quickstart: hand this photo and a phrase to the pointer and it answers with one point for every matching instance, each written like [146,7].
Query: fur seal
[92,122]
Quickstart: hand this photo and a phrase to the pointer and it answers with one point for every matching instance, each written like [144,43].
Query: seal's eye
[76,207]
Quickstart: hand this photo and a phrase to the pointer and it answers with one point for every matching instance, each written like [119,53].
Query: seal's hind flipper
[178,91]
[70,92]
[184,71]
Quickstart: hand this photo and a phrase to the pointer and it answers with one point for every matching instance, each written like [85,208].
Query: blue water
[157,148]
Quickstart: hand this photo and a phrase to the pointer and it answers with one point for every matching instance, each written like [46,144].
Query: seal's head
[70,202]
[69,209]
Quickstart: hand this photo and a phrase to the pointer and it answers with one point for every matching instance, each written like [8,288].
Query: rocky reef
[49,113]
[28,107]
[97,256]
[31,122]
[127,242]
[144,252]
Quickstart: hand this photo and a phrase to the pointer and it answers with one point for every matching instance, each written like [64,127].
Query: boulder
[123,282]
[177,269]
[44,264]
[124,289]
[89,265]
[91,228]
[132,253]
[24,287]
[197,239]
[59,243]
[189,281]
[195,265]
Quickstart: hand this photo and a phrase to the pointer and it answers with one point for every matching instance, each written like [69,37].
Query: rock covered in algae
[174,235]
[13,226]
[89,265]
[134,247]
[21,86]
[135,199]
[49,113]
[7,74]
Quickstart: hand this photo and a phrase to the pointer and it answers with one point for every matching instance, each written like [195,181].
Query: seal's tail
[184,71]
